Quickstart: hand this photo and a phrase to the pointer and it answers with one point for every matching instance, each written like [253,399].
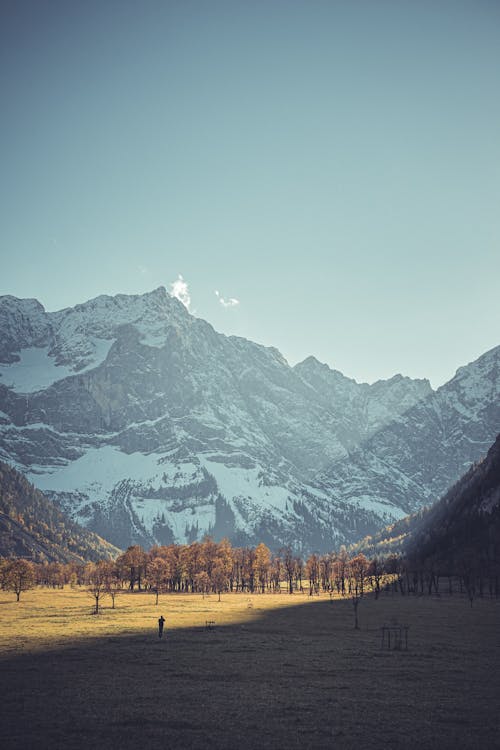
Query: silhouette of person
[160,626]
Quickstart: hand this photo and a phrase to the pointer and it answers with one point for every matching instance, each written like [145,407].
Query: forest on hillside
[32,526]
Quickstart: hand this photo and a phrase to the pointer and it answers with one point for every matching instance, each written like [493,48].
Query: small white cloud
[143,270]
[231,302]
[180,290]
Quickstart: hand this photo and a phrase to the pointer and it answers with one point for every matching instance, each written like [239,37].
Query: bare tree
[96,582]
[358,567]
[113,582]
[375,572]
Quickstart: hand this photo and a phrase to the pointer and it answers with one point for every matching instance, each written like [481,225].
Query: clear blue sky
[334,166]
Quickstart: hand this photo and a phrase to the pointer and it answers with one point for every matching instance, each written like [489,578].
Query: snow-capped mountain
[149,426]
[416,457]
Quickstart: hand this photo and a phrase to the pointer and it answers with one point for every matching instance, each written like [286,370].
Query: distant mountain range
[146,425]
[31,526]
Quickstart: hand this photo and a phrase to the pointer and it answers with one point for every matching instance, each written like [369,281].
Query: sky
[319,176]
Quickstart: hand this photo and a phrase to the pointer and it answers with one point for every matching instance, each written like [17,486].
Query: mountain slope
[31,526]
[466,521]
[416,457]
[463,525]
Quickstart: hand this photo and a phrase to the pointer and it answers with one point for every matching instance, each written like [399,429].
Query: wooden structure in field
[394,636]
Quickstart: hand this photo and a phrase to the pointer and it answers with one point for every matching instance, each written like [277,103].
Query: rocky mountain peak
[147,425]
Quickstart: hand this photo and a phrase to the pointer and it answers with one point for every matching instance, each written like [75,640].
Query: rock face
[149,426]
[415,458]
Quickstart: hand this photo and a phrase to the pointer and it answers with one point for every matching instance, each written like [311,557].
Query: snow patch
[246,483]
[37,370]
[378,507]
[98,471]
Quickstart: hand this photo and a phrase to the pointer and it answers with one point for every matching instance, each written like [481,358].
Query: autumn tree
[225,557]
[202,582]
[312,572]
[208,554]
[18,576]
[299,572]
[132,564]
[191,561]
[219,577]
[326,567]
[262,564]
[158,575]
[341,569]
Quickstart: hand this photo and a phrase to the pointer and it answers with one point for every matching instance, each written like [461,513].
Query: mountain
[360,409]
[415,458]
[31,526]
[146,425]
[463,526]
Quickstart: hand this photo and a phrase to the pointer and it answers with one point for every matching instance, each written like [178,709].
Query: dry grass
[290,672]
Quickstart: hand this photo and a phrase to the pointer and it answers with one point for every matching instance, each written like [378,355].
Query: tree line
[217,567]
[200,567]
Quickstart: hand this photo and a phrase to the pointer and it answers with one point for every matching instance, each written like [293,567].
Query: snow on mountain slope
[149,426]
[416,457]
[363,409]
[36,369]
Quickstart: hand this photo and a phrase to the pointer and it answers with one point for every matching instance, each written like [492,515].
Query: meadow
[277,671]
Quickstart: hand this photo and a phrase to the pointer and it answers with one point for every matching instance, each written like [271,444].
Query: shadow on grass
[297,677]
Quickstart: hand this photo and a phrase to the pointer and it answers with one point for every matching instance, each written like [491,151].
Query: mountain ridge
[147,425]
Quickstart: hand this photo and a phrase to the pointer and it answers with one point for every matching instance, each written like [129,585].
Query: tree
[132,564]
[208,554]
[225,558]
[289,565]
[96,582]
[113,583]
[341,565]
[468,572]
[262,564]
[220,578]
[357,573]
[375,571]
[158,575]
[202,582]
[313,572]
[247,569]
[18,576]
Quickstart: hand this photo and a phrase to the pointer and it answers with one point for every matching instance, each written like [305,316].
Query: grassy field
[278,671]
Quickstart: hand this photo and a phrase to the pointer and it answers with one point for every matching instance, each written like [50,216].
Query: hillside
[31,526]
[464,525]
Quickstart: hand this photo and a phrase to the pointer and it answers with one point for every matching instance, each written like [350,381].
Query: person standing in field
[160,626]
